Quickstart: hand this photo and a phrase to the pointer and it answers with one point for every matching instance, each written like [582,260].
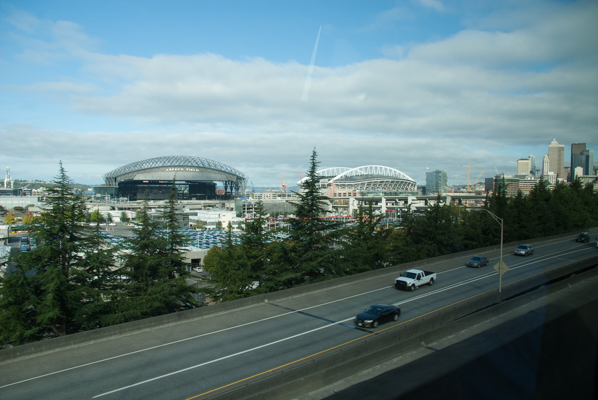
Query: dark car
[583,237]
[376,315]
[524,250]
[477,261]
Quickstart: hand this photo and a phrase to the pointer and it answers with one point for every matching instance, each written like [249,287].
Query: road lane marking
[311,315]
[302,334]
[363,337]
[187,339]
[220,359]
[253,322]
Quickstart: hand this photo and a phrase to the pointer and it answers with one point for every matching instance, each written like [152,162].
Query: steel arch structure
[183,168]
[374,177]
[368,177]
[331,172]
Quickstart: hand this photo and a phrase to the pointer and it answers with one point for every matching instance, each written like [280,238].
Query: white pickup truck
[414,278]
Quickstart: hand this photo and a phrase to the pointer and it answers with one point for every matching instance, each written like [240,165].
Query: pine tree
[256,245]
[366,245]
[19,299]
[312,238]
[155,273]
[229,271]
[52,279]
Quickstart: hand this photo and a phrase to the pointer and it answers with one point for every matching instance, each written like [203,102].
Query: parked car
[583,237]
[376,315]
[198,269]
[414,278]
[477,261]
[524,250]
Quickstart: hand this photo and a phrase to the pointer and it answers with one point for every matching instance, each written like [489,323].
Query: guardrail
[329,366]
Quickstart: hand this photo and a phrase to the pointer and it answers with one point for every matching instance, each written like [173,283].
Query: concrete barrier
[322,369]
[95,335]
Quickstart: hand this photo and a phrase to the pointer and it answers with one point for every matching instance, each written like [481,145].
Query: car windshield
[522,247]
[475,259]
[409,275]
[374,310]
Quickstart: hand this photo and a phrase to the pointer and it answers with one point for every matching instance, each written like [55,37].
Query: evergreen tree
[98,276]
[255,244]
[229,271]
[155,273]
[312,237]
[51,280]
[19,299]
[366,245]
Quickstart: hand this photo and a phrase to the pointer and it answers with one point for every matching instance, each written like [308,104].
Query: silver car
[524,250]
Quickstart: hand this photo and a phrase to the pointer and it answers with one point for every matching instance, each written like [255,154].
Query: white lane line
[247,324]
[487,275]
[221,358]
[189,338]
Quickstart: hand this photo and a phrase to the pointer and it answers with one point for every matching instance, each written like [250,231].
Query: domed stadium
[195,179]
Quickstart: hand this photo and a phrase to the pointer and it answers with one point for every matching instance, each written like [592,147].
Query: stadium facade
[195,179]
[339,182]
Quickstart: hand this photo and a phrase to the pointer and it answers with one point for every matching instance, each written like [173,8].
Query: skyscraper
[524,166]
[577,159]
[545,165]
[556,156]
[580,157]
[436,182]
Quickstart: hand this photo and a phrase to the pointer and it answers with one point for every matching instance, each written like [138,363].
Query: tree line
[74,281]
[312,249]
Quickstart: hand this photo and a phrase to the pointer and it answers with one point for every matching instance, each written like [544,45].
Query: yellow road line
[371,333]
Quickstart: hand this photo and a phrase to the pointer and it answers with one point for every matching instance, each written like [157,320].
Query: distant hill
[19,184]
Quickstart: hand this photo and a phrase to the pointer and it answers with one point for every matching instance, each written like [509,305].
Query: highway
[200,357]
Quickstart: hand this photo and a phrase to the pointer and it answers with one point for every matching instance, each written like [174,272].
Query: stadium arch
[360,180]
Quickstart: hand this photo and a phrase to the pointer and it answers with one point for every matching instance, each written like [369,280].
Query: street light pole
[501,222]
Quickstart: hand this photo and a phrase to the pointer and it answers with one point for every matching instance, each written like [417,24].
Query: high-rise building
[524,166]
[556,155]
[580,157]
[577,158]
[436,182]
[545,165]
[532,161]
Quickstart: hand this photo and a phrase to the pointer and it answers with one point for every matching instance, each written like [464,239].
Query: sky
[415,85]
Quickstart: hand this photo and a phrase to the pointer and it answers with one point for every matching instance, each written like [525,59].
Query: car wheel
[412,287]
[396,317]
[375,324]
[431,282]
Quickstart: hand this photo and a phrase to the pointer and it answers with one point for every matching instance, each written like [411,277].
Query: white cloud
[434,4]
[471,98]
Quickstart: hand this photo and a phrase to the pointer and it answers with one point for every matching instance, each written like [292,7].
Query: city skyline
[416,86]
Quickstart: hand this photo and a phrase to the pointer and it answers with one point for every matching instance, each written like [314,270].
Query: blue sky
[415,85]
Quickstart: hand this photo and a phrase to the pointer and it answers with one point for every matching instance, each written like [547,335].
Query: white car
[198,269]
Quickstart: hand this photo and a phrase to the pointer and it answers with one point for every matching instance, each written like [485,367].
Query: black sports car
[377,314]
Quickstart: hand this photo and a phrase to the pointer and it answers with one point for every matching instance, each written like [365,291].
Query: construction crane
[283,186]
[476,179]
[467,165]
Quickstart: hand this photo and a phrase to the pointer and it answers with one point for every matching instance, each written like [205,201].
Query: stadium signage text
[183,169]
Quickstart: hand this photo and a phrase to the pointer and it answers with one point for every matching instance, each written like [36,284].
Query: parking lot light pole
[500,221]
